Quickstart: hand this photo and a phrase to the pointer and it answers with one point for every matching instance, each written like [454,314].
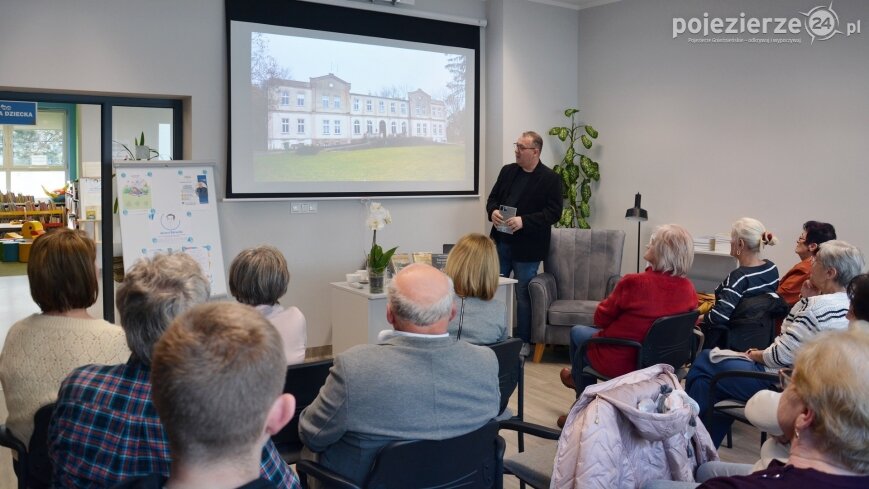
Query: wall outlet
[303,208]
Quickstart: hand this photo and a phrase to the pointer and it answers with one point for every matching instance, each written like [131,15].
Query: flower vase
[376,280]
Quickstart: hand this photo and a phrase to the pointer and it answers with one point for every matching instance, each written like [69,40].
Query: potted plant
[140,150]
[378,260]
[576,192]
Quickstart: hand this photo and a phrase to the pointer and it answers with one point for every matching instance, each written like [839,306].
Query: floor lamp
[637,213]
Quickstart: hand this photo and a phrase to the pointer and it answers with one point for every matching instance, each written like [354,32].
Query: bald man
[419,384]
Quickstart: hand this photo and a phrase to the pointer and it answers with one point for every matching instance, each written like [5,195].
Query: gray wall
[710,133]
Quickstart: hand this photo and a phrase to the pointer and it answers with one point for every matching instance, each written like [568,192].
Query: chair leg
[538,352]
[729,437]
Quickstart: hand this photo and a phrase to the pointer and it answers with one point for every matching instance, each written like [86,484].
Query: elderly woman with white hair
[663,289]
[835,265]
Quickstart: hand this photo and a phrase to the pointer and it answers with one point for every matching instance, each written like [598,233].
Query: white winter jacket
[608,443]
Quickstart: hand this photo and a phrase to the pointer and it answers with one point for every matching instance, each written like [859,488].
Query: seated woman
[754,276]
[858,293]
[834,266]
[42,349]
[823,413]
[637,301]
[473,265]
[814,233]
[258,277]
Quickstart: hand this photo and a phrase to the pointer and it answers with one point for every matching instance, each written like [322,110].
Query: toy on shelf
[32,229]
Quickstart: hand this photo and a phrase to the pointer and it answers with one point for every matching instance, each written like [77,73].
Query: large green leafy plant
[576,178]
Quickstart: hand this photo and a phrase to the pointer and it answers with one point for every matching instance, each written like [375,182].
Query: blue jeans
[579,335]
[523,272]
[698,381]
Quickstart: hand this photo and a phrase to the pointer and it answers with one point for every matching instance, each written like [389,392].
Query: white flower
[378,217]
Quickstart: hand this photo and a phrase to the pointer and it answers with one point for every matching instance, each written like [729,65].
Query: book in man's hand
[506,213]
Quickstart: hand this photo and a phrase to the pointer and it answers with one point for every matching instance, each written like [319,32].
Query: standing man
[534,191]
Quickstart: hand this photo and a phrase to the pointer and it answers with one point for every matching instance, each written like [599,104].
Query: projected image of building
[324,112]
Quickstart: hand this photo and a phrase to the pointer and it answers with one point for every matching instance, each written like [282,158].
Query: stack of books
[722,243]
[704,243]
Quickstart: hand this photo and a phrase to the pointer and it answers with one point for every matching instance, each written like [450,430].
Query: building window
[382,106]
[32,157]
[392,107]
[325,128]
[285,126]
[300,126]
[357,128]
[368,105]
[393,127]
[337,127]
[419,109]
[404,128]
[369,127]
[425,129]
[285,97]
[418,129]
[300,100]
[403,109]
[325,102]
[355,104]
[336,103]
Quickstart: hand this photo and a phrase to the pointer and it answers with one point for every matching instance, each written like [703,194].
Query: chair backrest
[38,463]
[303,381]
[472,460]
[752,323]
[510,366]
[670,340]
[583,260]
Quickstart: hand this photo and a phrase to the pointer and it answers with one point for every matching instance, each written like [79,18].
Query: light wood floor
[545,400]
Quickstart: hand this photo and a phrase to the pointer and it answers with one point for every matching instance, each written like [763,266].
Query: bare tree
[455,99]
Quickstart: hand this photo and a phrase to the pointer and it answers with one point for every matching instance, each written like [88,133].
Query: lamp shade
[637,213]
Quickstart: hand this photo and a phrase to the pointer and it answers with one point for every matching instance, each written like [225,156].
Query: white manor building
[324,112]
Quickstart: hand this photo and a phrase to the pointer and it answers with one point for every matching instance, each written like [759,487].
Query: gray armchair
[582,268]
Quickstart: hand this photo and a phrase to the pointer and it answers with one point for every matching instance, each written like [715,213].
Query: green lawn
[408,163]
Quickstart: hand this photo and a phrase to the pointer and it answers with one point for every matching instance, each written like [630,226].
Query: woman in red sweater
[637,301]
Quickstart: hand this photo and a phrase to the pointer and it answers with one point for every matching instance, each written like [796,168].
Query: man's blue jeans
[697,385]
[523,272]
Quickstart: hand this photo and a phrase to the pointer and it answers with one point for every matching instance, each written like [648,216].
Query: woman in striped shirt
[753,277]
[835,264]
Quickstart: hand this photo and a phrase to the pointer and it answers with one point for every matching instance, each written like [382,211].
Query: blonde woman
[473,266]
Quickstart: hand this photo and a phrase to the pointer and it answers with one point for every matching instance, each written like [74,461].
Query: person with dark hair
[259,277]
[858,292]
[218,377]
[814,233]
[105,428]
[43,348]
[532,192]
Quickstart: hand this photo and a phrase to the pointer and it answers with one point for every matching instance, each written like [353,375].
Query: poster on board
[165,207]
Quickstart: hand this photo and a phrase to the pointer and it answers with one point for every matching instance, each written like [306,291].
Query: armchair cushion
[572,312]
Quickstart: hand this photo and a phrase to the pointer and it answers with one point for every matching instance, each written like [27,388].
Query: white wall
[710,133]
[532,76]
[172,48]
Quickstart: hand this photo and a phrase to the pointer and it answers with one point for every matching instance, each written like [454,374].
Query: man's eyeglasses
[520,147]
[784,377]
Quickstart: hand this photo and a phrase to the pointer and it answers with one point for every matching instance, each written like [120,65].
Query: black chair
[33,467]
[735,408]
[670,340]
[751,325]
[532,467]
[511,368]
[471,460]
[303,381]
